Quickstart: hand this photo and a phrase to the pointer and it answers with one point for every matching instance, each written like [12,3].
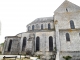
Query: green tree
[67,57]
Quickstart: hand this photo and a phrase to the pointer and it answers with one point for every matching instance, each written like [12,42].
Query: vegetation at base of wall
[0,52]
[67,57]
[38,56]
[28,52]
[2,44]
[55,49]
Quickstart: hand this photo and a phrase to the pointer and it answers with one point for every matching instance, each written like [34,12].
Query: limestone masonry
[50,37]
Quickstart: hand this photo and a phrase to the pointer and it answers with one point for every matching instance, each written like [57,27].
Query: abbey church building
[57,36]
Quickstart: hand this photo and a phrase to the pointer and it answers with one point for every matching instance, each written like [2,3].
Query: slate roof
[12,37]
[44,19]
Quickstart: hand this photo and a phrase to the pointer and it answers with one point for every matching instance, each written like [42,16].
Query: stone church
[51,37]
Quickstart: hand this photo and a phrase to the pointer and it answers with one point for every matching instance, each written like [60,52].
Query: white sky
[16,14]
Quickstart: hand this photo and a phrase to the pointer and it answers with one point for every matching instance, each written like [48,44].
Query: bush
[67,57]
[28,52]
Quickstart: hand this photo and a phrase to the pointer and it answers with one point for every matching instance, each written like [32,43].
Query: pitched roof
[12,37]
[67,6]
[43,19]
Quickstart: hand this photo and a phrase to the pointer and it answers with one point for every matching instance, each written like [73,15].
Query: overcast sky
[16,14]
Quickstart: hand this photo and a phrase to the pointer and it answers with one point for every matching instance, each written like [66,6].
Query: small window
[66,9]
[49,27]
[41,26]
[32,27]
[72,24]
[28,28]
[67,37]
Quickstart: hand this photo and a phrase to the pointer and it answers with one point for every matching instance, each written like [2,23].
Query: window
[41,26]
[9,47]
[67,37]
[24,44]
[28,28]
[32,27]
[72,24]
[37,26]
[66,9]
[50,43]
[79,34]
[37,43]
[49,27]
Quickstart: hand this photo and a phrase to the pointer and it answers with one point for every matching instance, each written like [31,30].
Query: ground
[18,57]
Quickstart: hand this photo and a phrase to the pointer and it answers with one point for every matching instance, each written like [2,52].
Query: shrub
[67,57]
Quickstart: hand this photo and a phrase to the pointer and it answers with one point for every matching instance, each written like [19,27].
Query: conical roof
[67,6]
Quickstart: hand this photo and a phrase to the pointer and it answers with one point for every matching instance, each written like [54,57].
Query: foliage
[2,44]
[67,57]
[38,56]
[55,49]
[28,52]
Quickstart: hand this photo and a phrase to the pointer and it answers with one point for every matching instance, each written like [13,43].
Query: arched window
[41,26]
[32,27]
[66,9]
[50,43]
[28,28]
[37,43]
[67,37]
[9,47]
[49,27]
[72,24]
[24,44]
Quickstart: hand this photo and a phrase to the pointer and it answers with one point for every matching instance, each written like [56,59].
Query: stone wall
[73,44]
[37,26]
[63,19]
[15,46]
[44,40]
[74,54]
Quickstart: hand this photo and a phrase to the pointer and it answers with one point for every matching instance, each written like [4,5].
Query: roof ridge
[41,19]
